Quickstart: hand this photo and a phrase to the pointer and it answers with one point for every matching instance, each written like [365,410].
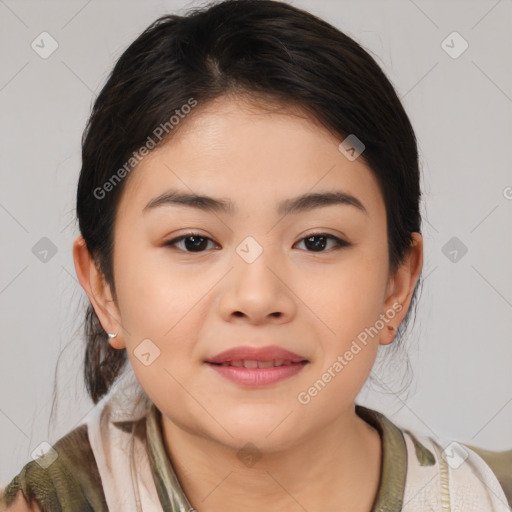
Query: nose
[257,292]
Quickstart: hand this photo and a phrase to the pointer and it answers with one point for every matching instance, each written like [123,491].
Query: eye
[318,241]
[193,242]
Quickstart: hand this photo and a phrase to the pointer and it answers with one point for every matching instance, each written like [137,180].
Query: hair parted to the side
[262,48]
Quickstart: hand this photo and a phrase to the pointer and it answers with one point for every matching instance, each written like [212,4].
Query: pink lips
[254,367]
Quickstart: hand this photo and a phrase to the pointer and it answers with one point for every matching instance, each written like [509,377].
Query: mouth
[252,357]
[255,367]
[252,363]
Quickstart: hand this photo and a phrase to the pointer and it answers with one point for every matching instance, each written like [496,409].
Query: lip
[268,353]
[257,377]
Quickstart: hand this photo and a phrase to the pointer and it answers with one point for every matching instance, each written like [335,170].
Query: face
[193,282]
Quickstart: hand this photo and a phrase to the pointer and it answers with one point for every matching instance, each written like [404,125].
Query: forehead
[237,149]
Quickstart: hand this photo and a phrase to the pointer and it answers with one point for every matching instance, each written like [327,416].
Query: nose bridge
[255,287]
[252,261]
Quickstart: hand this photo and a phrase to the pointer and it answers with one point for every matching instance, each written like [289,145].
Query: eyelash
[339,242]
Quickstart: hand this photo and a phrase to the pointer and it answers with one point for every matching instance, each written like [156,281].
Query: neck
[339,464]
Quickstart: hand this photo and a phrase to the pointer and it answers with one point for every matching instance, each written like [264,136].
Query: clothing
[116,460]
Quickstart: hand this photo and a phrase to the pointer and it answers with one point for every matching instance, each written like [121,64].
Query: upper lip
[268,353]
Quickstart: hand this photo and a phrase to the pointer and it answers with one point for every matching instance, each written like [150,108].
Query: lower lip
[257,377]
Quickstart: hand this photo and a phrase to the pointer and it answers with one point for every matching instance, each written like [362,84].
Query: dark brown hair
[269,50]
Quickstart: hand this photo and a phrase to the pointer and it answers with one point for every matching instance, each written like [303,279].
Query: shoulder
[65,478]
[500,462]
[19,504]
[457,474]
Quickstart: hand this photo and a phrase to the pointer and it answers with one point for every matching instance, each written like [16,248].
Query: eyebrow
[302,203]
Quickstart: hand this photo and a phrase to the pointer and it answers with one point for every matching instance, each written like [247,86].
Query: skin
[193,305]
[20,505]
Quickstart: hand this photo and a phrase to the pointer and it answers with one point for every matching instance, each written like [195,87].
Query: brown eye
[318,241]
[191,242]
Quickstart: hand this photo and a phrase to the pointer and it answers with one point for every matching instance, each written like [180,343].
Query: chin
[262,426]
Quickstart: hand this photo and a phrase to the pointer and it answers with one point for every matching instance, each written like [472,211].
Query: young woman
[250,235]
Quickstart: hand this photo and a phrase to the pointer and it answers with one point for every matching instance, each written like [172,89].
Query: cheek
[350,308]
[152,296]
[347,297]
[166,307]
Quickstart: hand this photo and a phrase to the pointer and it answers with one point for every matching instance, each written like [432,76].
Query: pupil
[320,245]
[198,243]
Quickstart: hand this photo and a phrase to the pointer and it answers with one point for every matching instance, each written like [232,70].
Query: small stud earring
[111,335]
[392,328]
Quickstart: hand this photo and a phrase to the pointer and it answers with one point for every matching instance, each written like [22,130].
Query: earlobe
[98,291]
[401,288]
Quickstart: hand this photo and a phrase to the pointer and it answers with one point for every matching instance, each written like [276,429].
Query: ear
[98,291]
[401,287]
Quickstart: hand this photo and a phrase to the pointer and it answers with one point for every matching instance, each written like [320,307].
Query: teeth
[265,364]
[251,363]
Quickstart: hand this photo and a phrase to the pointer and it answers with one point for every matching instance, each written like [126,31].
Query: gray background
[460,346]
